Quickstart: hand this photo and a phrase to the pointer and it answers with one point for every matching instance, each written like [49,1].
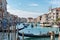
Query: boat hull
[32,35]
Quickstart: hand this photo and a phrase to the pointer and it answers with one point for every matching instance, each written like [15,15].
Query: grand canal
[36,30]
[40,38]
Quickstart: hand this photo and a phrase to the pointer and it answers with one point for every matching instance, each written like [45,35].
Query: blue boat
[40,36]
[38,31]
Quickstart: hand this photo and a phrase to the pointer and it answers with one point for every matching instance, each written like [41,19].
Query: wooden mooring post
[59,36]
[8,32]
[18,38]
[13,34]
[2,34]
[52,35]
[22,35]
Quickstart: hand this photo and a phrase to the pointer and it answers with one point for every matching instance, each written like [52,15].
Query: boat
[32,35]
[25,24]
[55,26]
[38,32]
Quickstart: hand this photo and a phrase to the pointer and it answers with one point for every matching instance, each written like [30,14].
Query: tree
[58,21]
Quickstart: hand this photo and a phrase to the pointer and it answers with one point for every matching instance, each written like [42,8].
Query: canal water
[36,30]
[40,38]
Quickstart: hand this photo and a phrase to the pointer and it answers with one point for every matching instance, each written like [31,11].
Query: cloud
[22,13]
[55,2]
[33,4]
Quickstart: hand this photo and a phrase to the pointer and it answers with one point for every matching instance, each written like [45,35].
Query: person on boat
[32,25]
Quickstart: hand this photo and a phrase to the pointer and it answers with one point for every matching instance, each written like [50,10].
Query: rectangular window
[56,13]
[53,13]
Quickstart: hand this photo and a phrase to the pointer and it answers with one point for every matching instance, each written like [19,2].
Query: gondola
[32,35]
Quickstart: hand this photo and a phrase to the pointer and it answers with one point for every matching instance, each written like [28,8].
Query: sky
[31,8]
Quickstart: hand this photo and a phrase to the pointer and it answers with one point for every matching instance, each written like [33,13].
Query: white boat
[55,26]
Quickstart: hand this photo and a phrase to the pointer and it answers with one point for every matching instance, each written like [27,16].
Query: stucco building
[50,17]
[30,20]
[23,20]
[53,15]
[39,19]
[3,8]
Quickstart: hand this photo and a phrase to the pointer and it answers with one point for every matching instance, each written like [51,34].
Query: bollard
[8,33]
[52,35]
[13,35]
[59,36]
[18,38]
[22,35]
[2,34]
[14,28]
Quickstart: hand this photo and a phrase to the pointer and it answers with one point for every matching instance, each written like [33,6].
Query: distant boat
[55,26]
[25,24]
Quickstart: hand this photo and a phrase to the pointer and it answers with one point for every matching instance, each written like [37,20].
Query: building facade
[3,8]
[44,18]
[50,17]
[35,20]
[30,20]
[53,15]
[23,20]
[39,19]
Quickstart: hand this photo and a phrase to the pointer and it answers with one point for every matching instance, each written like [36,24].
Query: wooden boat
[32,35]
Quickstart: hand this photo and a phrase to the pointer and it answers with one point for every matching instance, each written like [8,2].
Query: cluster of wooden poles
[52,36]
